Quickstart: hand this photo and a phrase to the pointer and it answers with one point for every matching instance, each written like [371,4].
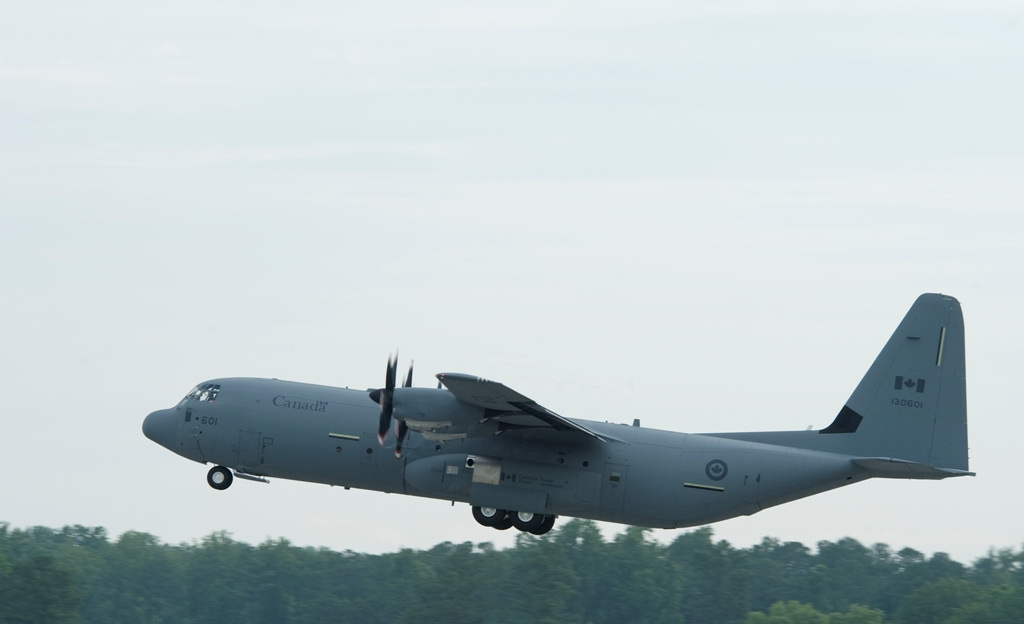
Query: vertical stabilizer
[912,403]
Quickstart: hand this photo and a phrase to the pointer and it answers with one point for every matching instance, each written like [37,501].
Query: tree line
[571,575]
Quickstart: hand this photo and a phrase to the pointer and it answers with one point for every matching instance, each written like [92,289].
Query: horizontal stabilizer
[888,468]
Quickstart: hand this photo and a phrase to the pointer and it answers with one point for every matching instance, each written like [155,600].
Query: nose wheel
[219,478]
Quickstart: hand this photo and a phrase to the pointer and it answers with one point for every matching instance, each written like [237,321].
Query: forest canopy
[571,575]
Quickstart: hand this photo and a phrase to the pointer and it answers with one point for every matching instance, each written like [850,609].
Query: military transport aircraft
[519,464]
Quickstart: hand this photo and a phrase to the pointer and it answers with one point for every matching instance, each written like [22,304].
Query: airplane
[519,464]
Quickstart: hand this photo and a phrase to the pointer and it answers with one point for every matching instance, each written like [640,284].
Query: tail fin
[911,406]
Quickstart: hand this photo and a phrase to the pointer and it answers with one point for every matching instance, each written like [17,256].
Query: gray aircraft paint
[482,443]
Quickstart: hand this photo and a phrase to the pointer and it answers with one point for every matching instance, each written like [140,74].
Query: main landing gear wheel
[527,521]
[219,478]
[489,516]
[547,525]
[504,524]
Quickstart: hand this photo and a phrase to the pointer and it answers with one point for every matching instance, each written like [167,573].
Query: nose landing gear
[219,478]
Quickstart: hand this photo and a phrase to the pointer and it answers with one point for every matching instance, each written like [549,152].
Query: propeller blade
[392,372]
[402,429]
[386,400]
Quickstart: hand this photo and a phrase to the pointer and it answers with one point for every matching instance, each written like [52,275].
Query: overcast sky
[707,215]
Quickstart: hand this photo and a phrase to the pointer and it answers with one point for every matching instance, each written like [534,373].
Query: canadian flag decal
[909,384]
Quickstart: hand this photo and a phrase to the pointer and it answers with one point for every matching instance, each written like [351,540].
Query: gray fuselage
[635,475]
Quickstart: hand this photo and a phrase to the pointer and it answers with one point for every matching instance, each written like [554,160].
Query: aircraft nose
[160,427]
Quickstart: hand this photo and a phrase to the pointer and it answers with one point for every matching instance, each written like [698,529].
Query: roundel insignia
[716,470]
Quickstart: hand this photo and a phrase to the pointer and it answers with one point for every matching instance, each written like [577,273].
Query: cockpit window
[204,392]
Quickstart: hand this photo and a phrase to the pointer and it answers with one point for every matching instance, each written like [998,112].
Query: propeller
[386,398]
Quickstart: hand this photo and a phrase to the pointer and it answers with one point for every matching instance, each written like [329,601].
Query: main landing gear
[537,524]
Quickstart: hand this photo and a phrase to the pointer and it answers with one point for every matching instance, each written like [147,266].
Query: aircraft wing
[508,406]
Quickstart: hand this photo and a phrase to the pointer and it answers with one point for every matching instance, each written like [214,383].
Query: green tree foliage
[958,601]
[40,591]
[858,614]
[779,569]
[793,612]
[1002,604]
[539,583]
[715,578]
[450,582]
[790,612]
[571,575]
[1000,566]
[934,602]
